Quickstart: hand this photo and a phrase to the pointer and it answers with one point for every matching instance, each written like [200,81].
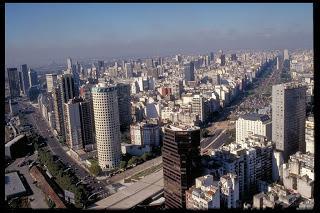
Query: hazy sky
[40,33]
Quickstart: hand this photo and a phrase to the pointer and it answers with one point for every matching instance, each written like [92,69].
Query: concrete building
[288,118]
[298,174]
[250,160]
[188,71]
[24,86]
[253,123]
[129,70]
[204,195]
[51,80]
[13,78]
[124,104]
[33,77]
[276,197]
[144,133]
[229,185]
[58,111]
[107,125]
[13,186]
[286,55]
[310,135]
[180,158]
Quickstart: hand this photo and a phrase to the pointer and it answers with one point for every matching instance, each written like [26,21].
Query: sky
[38,34]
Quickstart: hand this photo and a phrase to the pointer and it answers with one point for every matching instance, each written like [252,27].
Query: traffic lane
[69,161]
[220,141]
[205,142]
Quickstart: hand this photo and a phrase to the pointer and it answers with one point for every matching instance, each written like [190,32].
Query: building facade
[13,78]
[288,118]
[107,125]
[180,156]
[253,124]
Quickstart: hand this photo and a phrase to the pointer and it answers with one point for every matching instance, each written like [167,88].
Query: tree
[95,169]
[146,156]
[204,133]
[133,160]
[123,164]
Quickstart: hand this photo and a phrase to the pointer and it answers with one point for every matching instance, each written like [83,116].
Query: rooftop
[13,184]
[255,117]
[134,194]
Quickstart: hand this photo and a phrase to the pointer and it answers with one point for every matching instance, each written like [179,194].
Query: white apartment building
[229,184]
[107,125]
[145,134]
[310,135]
[298,174]
[253,124]
[204,195]
[51,81]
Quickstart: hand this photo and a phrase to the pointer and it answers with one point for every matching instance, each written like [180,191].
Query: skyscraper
[124,104]
[33,77]
[25,79]
[129,70]
[79,131]
[68,89]
[51,82]
[223,59]
[107,125]
[69,63]
[211,56]
[285,54]
[180,157]
[58,111]
[13,77]
[189,71]
[100,69]
[288,118]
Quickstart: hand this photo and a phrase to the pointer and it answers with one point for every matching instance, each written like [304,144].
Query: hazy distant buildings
[222,60]
[13,77]
[288,118]
[107,125]
[253,124]
[180,157]
[128,70]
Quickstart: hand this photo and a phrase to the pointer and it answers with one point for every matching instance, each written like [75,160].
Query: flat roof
[13,184]
[134,194]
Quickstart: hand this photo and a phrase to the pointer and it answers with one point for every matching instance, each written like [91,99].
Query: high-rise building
[211,56]
[107,125]
[189,71]
[68,89]
[234,57]
[13,78]
[25,79]
[124,104]
[197,105]
[100,69]
[250,160]
[79,131]
[310,135]
[69,63]
[229,184]
[285,54]
[51,82]
[33,77]
[129,70]
[223,60]
[288,118]
[58,111]
[180,163]
[253,124]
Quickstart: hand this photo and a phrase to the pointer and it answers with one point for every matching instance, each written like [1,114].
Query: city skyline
[142,30]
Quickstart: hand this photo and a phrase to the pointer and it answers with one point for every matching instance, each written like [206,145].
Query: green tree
[123,164]
[133,160]
[146,156]
[95,169]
